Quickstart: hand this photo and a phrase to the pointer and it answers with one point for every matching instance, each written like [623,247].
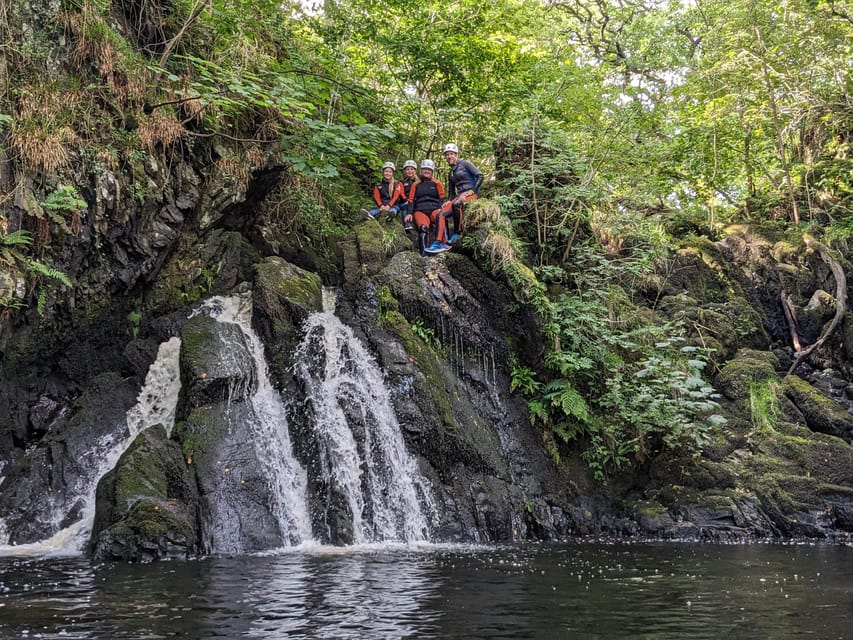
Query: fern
[562,395]
[39,268]
[19,237]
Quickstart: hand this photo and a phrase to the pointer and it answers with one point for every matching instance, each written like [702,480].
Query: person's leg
[422,221]
[440,245]
[468,196]
[439,217]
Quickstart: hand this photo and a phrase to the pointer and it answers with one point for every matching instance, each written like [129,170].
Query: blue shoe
[453,238]
[438,247]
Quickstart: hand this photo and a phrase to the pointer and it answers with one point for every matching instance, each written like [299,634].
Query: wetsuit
[407,186]
[384,194]
[425,199]
[463,183]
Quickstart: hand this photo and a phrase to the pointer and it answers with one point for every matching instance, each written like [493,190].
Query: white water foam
[288,479]
[388,498]
[155,404]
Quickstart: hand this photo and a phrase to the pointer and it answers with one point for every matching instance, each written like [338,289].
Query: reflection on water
[645,591]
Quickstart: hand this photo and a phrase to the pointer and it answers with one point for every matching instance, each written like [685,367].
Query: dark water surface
[640,591]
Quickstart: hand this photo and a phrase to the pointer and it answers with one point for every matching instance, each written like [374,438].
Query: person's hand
[408,218]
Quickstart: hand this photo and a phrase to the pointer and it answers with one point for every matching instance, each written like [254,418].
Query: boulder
[146,506]
[821,413]
[43,490]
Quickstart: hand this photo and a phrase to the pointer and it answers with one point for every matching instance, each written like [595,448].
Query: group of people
[422,203]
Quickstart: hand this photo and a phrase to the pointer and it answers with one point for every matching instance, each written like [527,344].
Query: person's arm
[398,195]
[476,176]
[451,184]
[410,201]
[377,197]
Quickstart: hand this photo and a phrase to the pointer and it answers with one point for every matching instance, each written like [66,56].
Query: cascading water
[156,404]
[363,455]
[271,439]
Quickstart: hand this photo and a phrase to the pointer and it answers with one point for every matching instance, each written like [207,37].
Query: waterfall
[155,404]
[363,455]
[361,448]
[287,478]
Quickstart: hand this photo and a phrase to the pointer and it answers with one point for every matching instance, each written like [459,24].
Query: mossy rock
[731,325]
[283,296]
[815,454]
[146,506]
[201,267]
[215,363]
[377,242]
[699,272]
[822,414]
[278,282]
[151,530]
[739,374]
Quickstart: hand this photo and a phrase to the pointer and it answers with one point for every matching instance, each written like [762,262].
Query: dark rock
[235,504]
[215,363]
[41,488]
[146,506]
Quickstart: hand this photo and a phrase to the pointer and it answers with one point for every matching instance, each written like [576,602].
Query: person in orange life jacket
[388,194]
[463,184]
[425,198]
[410,175]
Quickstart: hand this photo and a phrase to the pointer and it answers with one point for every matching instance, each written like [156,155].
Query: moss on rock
[283,283]
[146,505]
[821,413]
[750,367]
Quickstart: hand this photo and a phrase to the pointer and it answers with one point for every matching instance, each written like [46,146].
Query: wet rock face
[215,363]
[218,376]
[283,296]
[446,359]
[234,508]
[39,492]
[146,506]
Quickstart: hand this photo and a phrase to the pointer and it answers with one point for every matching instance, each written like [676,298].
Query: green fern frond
[42,269]
[16,238]
[562,395]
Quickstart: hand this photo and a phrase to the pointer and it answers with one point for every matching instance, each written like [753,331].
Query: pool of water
[639,591]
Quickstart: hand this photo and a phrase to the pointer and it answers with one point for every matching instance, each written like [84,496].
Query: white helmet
[450,147]
[410,163]
[389,165]
[427,164]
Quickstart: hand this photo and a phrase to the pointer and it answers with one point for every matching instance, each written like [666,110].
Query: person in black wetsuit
[463,185]
[425,199]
